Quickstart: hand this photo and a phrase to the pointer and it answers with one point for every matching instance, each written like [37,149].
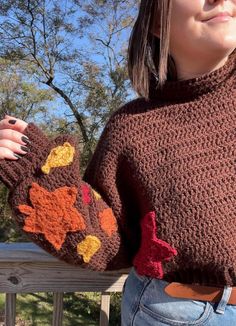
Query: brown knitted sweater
[159,192]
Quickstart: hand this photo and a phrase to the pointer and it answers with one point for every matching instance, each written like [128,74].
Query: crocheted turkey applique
[148,260]
[59,156]
[52,214]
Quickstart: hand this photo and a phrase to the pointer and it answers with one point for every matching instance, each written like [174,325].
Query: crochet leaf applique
[59,156]
[52,214]
[86,194]
[88,247]
[148,260]
[107,221]
[96,194]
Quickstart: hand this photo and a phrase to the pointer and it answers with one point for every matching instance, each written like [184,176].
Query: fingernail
[24,148]
[18,156]
[12,122]
[25,139]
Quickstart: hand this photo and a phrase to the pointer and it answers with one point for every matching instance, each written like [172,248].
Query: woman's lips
[220,17]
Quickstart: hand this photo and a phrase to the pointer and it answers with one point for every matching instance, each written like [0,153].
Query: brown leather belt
[198,292]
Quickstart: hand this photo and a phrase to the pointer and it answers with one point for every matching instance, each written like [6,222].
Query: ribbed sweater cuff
[12,172]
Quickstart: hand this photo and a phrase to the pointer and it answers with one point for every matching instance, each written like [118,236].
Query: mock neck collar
[191,89]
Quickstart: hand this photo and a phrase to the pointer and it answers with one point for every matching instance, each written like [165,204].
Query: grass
[36,309]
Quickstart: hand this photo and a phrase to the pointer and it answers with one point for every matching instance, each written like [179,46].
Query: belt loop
[224,300]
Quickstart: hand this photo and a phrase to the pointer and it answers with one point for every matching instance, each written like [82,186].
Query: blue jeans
[144,303]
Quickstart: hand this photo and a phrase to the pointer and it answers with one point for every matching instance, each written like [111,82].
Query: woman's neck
[196,87]
[196,68]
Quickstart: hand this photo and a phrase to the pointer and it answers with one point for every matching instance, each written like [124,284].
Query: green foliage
[19,96]
[36,309]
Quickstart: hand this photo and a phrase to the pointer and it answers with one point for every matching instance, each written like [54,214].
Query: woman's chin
[223,47]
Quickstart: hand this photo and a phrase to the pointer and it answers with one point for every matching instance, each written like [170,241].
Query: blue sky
[58,104]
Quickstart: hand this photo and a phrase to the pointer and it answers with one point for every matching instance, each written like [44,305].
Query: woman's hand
[12,139]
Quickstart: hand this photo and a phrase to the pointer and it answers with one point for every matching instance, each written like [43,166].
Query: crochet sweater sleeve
[59,211]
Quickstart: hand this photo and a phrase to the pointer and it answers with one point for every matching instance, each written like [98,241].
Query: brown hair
[148,53]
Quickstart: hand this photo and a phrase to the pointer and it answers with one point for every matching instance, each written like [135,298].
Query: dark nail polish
[18,156]
[25,139]
[12,122]
[24,148]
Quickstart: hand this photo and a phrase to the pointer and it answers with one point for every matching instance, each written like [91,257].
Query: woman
[197,146]
[159,192]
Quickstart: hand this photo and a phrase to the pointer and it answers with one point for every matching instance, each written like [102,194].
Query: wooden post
[57,309]
[10,309]
[105,309]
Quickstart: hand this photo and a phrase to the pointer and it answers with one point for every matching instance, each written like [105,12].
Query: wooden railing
[26,268]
